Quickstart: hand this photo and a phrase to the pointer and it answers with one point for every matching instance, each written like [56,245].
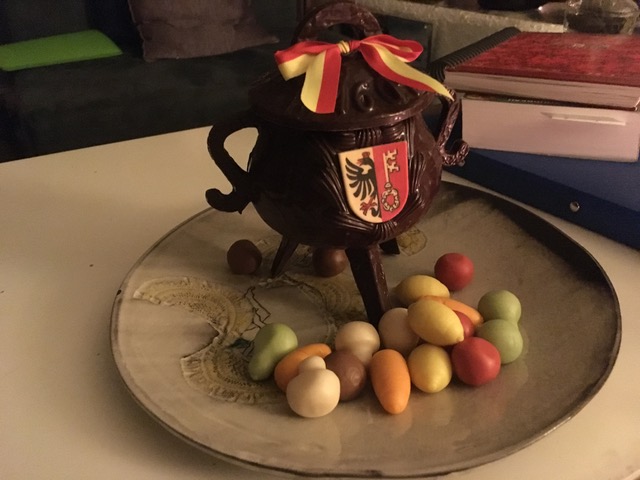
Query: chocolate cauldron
[293,177]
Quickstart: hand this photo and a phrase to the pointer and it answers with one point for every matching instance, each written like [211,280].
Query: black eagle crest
[362,178]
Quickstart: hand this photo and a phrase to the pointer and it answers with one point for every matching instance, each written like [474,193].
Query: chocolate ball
[350,371]
[244,257]
[328,262]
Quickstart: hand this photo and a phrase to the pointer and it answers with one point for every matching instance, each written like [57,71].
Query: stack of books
[567,94]
[565,141]
[603,197]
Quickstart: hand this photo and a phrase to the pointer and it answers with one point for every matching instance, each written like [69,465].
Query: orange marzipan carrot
[287,367]
[390,379]
[458,306]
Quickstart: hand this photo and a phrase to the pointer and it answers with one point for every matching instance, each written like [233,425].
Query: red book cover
[562,57]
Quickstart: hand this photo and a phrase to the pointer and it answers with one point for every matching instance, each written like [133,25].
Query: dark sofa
[73,105]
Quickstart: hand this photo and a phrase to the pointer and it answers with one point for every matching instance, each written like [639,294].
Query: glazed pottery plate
[183,323]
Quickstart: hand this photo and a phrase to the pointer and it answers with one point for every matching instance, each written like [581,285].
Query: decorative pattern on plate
[412,241]
[227,310]
[219,369]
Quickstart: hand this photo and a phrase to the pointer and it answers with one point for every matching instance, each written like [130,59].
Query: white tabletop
[73,224]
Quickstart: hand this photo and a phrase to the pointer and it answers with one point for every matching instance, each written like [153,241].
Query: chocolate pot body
[294,178]
[298,183]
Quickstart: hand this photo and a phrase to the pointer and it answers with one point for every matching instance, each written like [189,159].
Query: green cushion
[65,48]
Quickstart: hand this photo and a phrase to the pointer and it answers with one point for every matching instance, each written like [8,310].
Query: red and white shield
[376,180]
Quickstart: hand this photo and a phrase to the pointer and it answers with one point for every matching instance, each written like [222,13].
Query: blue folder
[602,196]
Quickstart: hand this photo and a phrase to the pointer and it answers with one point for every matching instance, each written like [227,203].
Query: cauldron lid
[365,99]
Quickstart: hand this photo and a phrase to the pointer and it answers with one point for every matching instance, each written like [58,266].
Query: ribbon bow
[321,61]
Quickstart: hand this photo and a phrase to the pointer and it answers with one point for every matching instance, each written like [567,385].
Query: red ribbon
[321,62]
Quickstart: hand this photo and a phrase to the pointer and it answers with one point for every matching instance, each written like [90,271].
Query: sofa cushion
[196,28]
[68,47]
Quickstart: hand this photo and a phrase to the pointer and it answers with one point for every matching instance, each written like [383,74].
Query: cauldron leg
[390,247]
[285,250]
[366,267]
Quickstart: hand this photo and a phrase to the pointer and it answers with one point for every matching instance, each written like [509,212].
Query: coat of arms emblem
[376,180]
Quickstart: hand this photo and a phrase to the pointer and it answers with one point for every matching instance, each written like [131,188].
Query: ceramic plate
[182,328]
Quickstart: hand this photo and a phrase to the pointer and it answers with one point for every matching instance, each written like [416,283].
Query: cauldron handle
[241,195]
[336,13]
[448,116]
